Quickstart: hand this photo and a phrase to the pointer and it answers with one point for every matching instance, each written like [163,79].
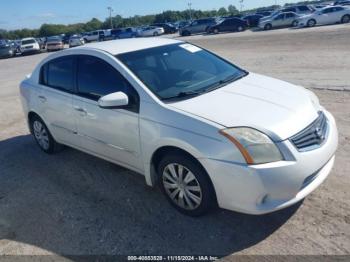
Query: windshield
[26,42]
[180,70]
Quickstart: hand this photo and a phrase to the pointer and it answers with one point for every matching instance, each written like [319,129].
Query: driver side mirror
[114,100]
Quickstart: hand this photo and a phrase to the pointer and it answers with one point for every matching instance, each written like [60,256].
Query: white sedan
[150,31]
[326,15]
[76,40]
[206,131]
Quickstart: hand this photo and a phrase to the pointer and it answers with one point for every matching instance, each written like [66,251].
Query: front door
[110,133]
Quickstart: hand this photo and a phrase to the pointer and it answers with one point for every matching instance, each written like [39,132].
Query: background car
[7,49]
[29,46]
[327,15]
[54,43]
[344,3]
[197,26]
[168,28]
[228,25]
[121,33]
[280,20]
[150,31]
[298,9]
[252,20]
[264,13]
[76,40]
[98,35]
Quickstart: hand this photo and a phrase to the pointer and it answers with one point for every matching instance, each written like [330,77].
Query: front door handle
[42,99]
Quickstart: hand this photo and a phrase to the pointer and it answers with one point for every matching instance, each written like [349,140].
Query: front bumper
[264,188]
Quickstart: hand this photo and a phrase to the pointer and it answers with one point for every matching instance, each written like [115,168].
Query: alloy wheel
[41,135]
[181,186]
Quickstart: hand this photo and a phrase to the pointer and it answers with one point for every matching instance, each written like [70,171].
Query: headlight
[256,147]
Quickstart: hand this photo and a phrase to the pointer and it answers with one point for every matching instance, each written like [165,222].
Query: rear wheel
[268,27]
[345,19]
[43,136]
[240,28]
[311,23]
[186,33]
[186,185]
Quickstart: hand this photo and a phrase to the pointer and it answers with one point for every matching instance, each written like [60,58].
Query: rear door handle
[42,99]
[80,109]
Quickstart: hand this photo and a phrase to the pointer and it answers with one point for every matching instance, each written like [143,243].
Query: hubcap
[240,29]
[182,186]
[41,135]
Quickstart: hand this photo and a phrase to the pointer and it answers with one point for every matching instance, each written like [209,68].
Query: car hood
[273,106]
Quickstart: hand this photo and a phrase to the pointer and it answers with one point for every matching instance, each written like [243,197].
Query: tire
[240,28]
[198,200]
[295,23]
[311,23]
[345,19]
[268,27]
[43,136]
[155,34]
[186,33]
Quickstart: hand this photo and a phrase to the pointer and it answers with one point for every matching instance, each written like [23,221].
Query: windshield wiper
[184,94]
[212,87]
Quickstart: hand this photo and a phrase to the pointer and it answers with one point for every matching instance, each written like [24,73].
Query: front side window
[178,70]
[59,74]
[97,78]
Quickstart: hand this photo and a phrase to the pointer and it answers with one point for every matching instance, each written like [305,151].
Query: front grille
[311,136]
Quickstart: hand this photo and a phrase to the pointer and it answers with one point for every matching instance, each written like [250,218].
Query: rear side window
[303,8]
[59,74]
[97,78]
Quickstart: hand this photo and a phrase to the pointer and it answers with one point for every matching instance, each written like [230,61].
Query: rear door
[110,133]
[278,20]
[56,99]
[289,19]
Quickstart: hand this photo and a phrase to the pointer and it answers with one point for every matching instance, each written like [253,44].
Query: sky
[17,14]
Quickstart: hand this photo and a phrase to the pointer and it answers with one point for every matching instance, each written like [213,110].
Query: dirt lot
[75,204]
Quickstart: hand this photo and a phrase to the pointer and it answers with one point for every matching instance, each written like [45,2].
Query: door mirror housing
[114,100]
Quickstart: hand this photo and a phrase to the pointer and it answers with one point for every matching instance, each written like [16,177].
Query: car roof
[28,38]
[120,46]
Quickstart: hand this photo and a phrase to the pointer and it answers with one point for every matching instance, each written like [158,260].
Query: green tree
[222,11]
[232,10]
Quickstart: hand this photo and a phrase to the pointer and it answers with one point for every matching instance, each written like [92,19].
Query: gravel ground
[75,204]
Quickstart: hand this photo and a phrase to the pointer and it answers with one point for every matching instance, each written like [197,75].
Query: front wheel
[155,34]
[345,19]
[295,23]
[186,185]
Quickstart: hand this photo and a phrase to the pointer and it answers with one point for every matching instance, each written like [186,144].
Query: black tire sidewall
[208,193]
